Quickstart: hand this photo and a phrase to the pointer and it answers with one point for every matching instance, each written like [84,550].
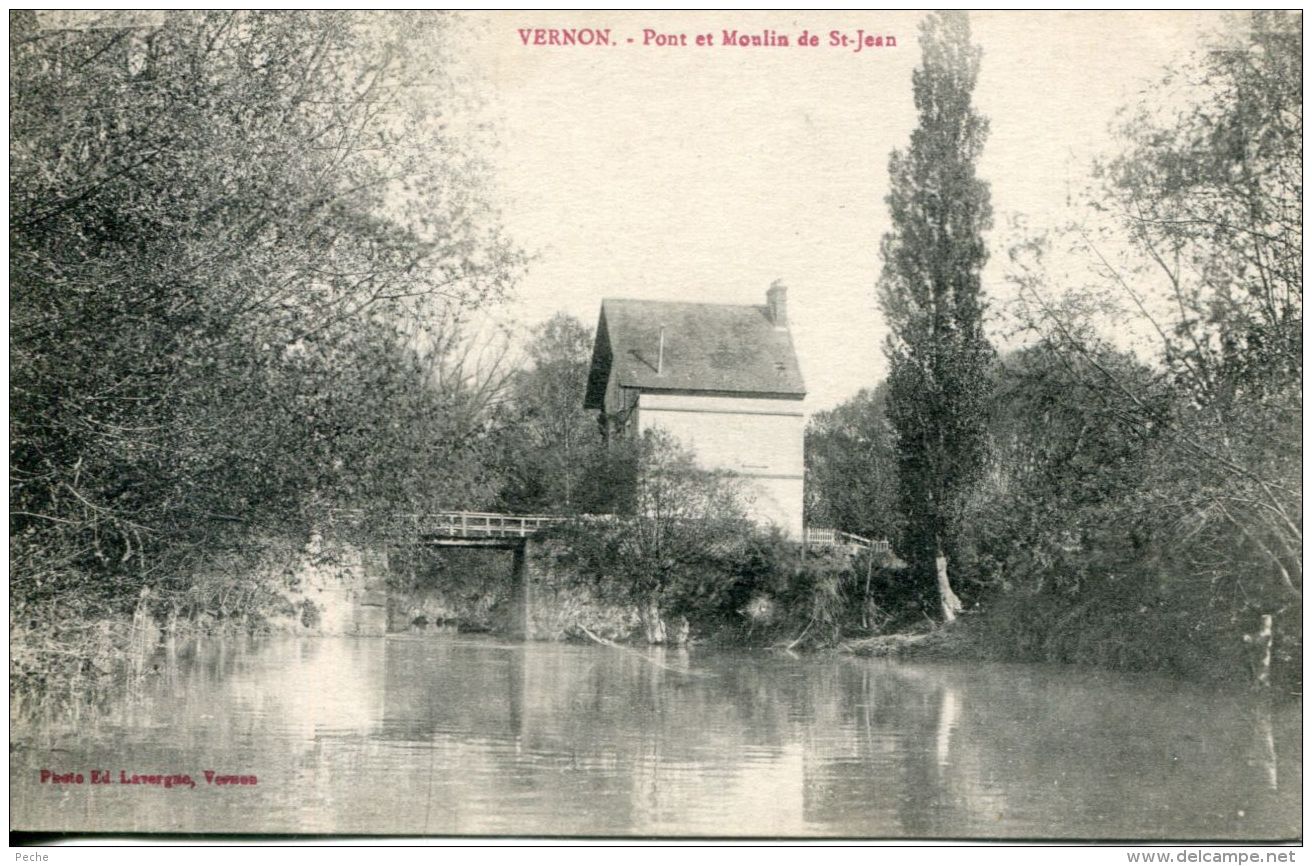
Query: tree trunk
[1263,641]
[948,601]
[652,623]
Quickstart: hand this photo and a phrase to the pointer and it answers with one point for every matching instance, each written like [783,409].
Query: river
[432,734]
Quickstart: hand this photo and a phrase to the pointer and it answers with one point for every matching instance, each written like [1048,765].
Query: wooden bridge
[818,537]
[476,528]
[479,529]
[490,529]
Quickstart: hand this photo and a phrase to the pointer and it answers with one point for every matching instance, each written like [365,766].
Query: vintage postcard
[857,425]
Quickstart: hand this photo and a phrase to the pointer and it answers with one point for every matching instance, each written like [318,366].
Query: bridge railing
[458,524]
[474,524]
[817,536]
[482,524]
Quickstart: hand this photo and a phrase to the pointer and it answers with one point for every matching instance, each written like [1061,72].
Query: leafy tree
[1210,194]
[851,466]
[550,446]
[1194,232]
[931,297]
[1211,199]
[1063,461]
[241,249]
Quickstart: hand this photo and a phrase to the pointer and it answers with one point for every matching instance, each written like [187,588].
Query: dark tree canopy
[551,455]
[851,477]
[240,248]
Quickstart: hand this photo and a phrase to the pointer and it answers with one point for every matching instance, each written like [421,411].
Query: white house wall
[757,438]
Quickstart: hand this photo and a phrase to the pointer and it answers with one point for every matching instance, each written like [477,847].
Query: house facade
[723,379]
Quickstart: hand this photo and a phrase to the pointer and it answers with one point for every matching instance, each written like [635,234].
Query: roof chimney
[777,298]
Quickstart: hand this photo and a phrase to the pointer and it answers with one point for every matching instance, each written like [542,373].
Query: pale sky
[704,173]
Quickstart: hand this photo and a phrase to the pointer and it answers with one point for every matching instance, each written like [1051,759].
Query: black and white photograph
[874,426]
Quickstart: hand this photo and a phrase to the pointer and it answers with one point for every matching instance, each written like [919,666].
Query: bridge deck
[489,529]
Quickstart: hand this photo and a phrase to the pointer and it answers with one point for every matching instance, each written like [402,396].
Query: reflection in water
[947,720]
[438,735]
[1266,739]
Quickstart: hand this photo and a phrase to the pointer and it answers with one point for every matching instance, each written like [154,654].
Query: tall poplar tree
[930,294]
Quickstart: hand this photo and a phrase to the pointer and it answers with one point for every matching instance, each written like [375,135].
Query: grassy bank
[72,644]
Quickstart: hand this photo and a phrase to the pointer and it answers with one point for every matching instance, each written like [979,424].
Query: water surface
[451,735]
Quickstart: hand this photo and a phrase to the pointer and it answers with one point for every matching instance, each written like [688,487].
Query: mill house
[723,379]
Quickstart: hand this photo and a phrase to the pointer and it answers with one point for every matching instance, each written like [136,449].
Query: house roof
[729,348]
